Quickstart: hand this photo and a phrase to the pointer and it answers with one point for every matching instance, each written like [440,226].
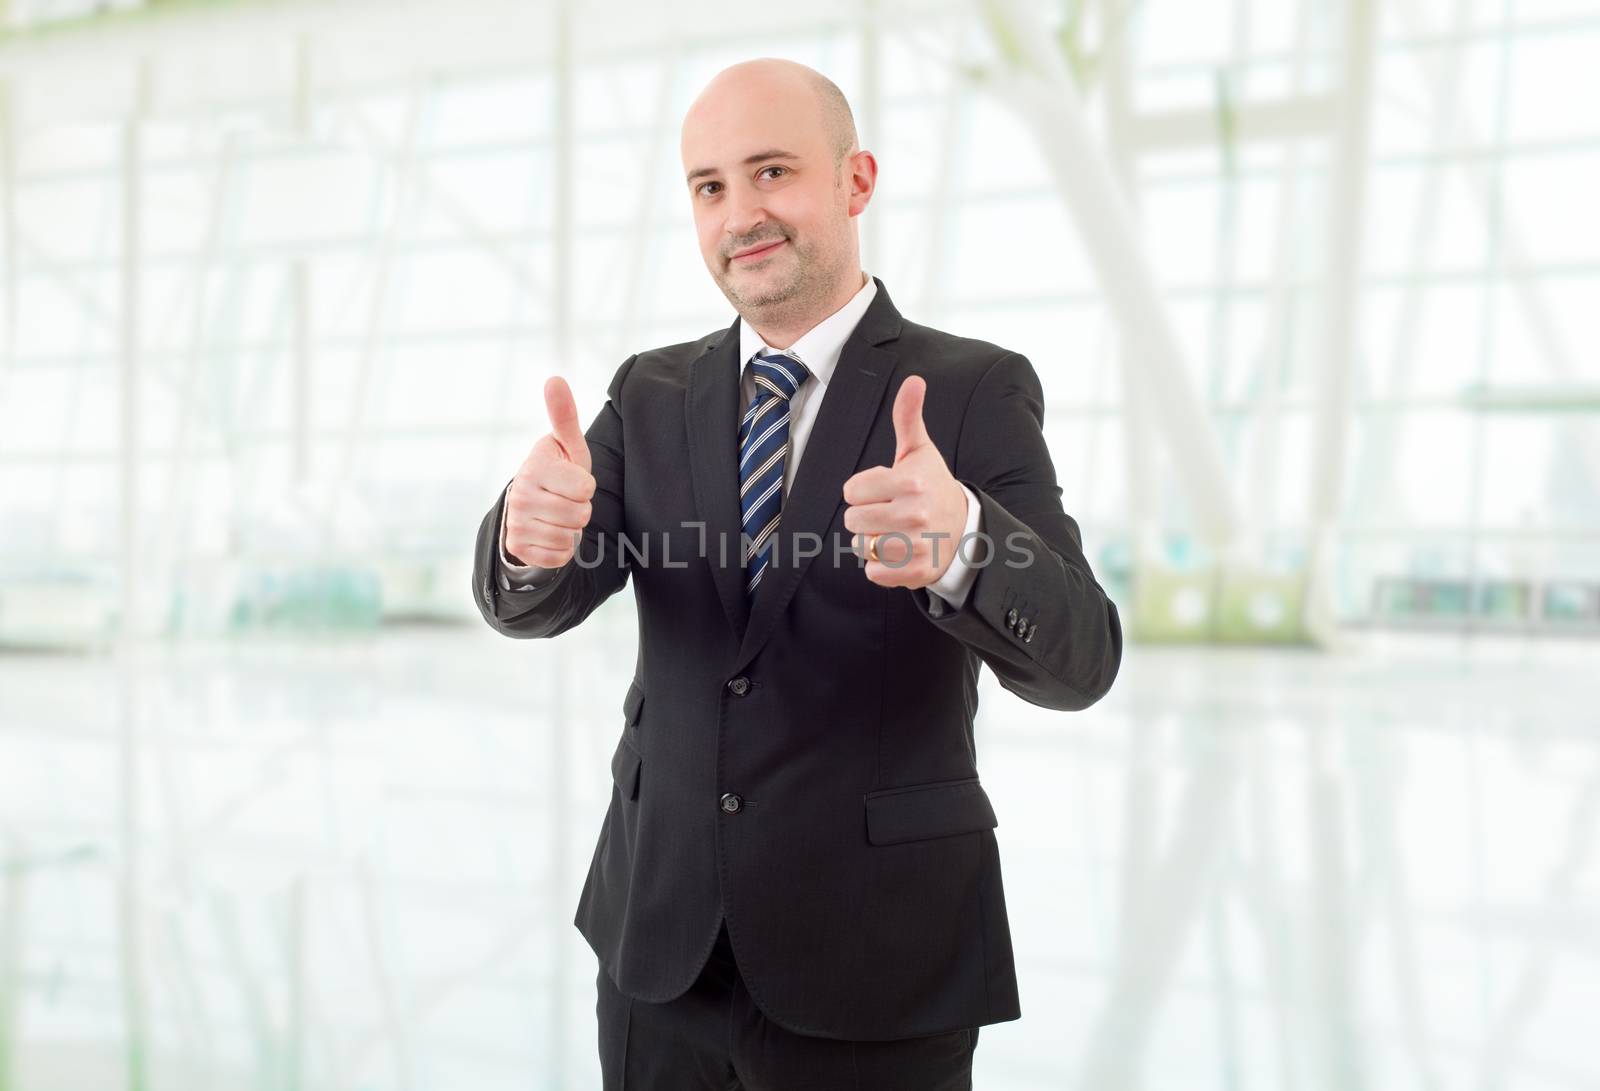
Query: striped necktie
[763,445]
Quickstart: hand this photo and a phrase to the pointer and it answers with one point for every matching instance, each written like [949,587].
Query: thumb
[564,420]
[909,431]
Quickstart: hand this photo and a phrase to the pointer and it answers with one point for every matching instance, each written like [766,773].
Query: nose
[745,218]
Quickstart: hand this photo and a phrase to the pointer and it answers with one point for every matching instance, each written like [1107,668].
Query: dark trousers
[715,1037]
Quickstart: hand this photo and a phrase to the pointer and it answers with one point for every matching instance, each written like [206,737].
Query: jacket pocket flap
[928,810]
[632,703]
[625,768]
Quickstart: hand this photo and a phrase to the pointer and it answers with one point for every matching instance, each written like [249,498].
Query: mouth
[760,253]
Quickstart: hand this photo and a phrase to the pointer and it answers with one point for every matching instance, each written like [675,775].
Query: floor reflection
[353,864]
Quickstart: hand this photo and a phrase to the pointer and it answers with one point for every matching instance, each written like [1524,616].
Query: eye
[700,190]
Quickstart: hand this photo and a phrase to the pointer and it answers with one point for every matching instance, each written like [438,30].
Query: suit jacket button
[1028,639]
[739,686]
[1022,626]
[731,803]
[1011,617]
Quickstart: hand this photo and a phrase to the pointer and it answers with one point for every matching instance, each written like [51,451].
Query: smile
[758,255]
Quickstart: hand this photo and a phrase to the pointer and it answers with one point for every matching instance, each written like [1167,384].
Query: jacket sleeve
[599,567]
[1035,613]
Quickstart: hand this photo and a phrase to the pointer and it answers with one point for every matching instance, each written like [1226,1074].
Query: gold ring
[872,548]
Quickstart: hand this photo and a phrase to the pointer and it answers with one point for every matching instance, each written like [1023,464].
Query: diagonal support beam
[1341,309]
[1039,87]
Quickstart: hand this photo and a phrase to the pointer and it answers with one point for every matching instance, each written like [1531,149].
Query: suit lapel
[838,434]
[712,418]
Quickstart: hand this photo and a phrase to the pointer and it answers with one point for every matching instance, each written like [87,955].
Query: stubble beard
[807,286]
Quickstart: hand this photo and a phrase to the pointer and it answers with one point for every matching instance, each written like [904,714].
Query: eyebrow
[749,160]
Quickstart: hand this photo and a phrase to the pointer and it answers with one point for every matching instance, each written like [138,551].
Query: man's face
[762,178]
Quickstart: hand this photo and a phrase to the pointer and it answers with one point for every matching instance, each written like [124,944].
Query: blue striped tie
[763,445]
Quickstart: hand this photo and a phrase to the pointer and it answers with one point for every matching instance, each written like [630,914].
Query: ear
[861,170]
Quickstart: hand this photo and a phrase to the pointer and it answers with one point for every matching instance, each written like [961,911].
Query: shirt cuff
[957,580]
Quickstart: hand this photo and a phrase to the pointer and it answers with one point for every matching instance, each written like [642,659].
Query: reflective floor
[352,864]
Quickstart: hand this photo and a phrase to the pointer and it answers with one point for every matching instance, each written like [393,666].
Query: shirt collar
[819,347]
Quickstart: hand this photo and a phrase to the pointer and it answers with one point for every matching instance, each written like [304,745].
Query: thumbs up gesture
[917,497]
[548,506]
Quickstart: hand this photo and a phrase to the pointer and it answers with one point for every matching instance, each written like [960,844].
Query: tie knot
[780,374]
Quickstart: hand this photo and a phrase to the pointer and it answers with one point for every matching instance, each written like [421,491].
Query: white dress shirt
[818,349]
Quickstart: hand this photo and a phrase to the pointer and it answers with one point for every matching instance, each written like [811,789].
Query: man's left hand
[917,497]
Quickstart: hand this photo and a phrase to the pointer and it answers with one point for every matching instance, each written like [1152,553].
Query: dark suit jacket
[858,870]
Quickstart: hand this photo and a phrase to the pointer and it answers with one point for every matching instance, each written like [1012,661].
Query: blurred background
[1314,291]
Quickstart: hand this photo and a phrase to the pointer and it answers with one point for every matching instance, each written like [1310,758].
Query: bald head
[798,88]
[837,121]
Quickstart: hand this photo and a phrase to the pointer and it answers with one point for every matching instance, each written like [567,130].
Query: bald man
[797,883]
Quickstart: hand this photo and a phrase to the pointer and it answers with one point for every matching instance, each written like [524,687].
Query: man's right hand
[548,506]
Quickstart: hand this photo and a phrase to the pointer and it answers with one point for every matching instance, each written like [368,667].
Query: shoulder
[655,370]
[951,357]
[678,357]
